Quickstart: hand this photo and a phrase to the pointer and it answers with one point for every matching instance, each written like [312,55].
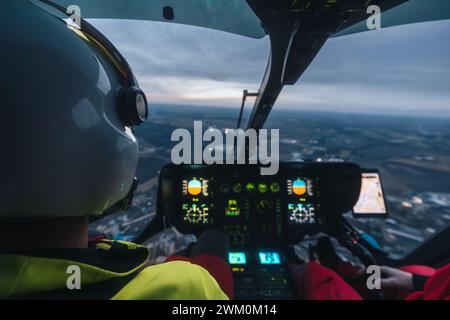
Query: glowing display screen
[237,258]
[196,187]
[301,213]
[233,208]
[301,200]
[371,198]
[196,203]
[195,213]
[300,187]
[266,257]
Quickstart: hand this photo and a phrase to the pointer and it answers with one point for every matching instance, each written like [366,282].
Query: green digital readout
[232,209]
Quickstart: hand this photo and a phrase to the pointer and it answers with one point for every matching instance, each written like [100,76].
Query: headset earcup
[135,106]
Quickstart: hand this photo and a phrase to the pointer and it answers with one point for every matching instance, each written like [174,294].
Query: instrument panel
[250,209]
[255,210]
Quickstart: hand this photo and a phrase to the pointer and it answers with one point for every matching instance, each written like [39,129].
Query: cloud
[395,70]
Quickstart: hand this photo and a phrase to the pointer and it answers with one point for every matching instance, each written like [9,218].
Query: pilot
[69,102]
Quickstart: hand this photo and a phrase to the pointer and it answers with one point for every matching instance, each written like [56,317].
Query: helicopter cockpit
[265,217]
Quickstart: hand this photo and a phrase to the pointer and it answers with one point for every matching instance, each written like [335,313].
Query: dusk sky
[398,70]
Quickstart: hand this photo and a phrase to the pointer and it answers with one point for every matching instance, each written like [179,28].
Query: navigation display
[371,198]
[301,204]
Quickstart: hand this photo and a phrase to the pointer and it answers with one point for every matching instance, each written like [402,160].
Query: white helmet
[68,103]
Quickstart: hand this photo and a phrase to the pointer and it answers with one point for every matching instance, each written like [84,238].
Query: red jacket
[436,288]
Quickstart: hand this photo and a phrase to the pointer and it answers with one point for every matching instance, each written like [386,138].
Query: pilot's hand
[396,279]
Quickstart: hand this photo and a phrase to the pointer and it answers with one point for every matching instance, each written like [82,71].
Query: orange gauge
[299,187]
[194,187]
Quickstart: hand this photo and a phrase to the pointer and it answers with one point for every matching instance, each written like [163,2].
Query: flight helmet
[68,105]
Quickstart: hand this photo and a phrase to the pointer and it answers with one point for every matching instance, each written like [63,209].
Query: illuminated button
[237,188]
[274,187]
[262,187]
[250,187]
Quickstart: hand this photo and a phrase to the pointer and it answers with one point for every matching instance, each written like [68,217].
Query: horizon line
[407,113]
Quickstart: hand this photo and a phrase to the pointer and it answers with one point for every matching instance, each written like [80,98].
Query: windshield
[236,16]
[233,16]
[382,100]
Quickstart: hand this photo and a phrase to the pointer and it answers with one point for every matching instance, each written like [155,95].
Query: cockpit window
[237,17]
[380,99]
[233,16]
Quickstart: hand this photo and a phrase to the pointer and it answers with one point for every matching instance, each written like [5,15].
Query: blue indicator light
[237,258]
[266,257]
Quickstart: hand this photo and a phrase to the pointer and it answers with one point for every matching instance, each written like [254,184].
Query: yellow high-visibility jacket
[111,270]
